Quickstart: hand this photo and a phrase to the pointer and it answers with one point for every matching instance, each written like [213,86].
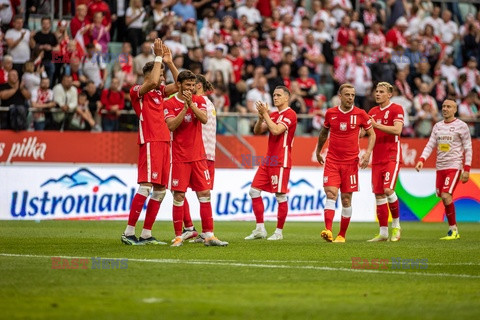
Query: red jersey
[344,132]
[280,146]
[150,111]
[187,144]
[387,146]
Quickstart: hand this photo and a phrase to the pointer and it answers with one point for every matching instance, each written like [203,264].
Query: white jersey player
[451,138]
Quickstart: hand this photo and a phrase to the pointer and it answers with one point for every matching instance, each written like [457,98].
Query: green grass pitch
[301,277]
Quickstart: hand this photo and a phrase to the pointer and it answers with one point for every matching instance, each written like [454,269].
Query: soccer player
[185,114]
[341,164]
[154,142]
[209,137]
[451,138]
[274,172]
[387,120]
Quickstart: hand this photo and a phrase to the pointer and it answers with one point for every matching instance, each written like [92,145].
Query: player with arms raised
[154,142]
[185,114]
[274,172]
[451,137]
[341,165]
[387,120]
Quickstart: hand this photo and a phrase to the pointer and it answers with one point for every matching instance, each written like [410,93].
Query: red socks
[394,209]
[258,209]
[450,212]
[206,216]
[177,219]
[344,226]
[282,214]
[329,214]
[135,209]
[382,214]
[187,219]
[152,211]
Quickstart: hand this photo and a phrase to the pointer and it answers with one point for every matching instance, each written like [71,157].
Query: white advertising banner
[105,192]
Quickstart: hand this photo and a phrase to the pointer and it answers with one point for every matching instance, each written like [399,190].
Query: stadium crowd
[82,68]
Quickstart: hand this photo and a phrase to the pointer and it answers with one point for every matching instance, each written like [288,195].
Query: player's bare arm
[322,138]
[273,127]
[396,129]
[201,115]
[260,126]
[371,143]
[153,80]
[173,123]
[168,60]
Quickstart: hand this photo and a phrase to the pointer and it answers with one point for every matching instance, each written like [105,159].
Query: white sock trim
[178,203]
[330,204]
[384,231]
[281,197]
[381,201]
[255,193]
[158,195]
[347,212]
[204,199]
[144,190]
[392,198]
[260,226]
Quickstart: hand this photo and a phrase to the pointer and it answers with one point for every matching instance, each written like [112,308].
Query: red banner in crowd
[121,147]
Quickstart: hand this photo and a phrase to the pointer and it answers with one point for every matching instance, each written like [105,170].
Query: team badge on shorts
[175,182]
[155,175]
[325,179]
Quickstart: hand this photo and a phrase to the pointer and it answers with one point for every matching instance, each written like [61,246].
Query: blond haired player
[387,120]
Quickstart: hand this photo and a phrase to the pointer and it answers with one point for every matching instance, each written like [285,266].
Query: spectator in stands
[407,104]
[7,65]
[94,104]
[174,43]
[42,99]
[426,118]
[6,12]
[448,29]
[360,76]
[345,34]
[113,101]
[248,10]
[402,86]
[46,41]
[189,37]
[469,111]
[185,10]
[66,97]
[14,95]
[375,38]
[472,73]
[221,64]
[123,68]
[62,50]
[395,36]
[134,21]
[384,69]
[158,15]
[423,75]
[423,97]
[31,77]
[118,9]
[228,9]
[178,62]
[19,42]
[80,24]
[100,34]
[99,6]
[308,87]
[82,119]
[141,59]
[448,70]
[93,67]
[220,99]
[264,60]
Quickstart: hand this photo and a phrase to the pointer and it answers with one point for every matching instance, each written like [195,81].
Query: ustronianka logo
[82,193]
[397,263]
[303,199]
[96,263]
